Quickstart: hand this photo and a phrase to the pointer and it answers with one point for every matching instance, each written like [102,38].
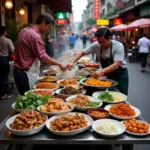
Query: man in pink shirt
[30,51]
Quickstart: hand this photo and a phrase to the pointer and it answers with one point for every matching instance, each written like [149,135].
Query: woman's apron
[120,75]
[33,73]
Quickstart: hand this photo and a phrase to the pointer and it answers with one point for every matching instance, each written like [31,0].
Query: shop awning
[58,5]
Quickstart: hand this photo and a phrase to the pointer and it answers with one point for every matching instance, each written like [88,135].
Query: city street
[139,93]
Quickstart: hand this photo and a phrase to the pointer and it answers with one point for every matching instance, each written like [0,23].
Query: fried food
[68,82]
[49,78]
[46,85]
[97,82]
[80,101]
[28,120]
[136,126]
[123,110]
[55,106]
[69,122]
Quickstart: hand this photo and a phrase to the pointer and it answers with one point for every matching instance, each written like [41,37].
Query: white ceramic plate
[58,82]
[139,134]
[101,122]
[58,92]
[57,86]
[73,132]
[85,108]
[56,113]
[24,132]
[53,92]
[115,83]
[17,110]
[49,80]
[137,113]
[124,97]
[45,72]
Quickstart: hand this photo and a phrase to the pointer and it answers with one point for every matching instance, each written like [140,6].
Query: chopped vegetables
[105,96]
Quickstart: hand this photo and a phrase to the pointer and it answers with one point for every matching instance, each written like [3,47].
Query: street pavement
[139,93]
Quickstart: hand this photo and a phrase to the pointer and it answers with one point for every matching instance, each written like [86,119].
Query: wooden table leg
[127,147]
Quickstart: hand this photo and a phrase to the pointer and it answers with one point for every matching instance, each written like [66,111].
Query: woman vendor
[110,54]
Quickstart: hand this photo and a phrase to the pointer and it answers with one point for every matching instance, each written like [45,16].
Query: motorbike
[133,53]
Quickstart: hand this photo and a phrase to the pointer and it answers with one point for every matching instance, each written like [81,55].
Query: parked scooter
[133,53]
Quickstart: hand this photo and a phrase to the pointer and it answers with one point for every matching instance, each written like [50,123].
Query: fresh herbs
[30,101]
[93,104]
[105,96]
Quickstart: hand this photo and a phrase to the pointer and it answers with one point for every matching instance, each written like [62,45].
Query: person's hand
[70,66]
[63,67]
[98,74]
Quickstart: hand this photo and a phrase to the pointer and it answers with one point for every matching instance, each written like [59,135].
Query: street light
[9,4]
[22,11]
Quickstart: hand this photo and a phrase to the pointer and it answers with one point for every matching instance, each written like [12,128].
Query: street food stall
[74,110]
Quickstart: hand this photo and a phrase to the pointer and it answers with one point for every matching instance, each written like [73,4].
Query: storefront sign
[61,21]
[96,9]
[117,21]
[102,22]
[61,15]
[145,11]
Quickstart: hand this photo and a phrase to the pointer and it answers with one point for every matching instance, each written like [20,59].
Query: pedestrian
[72,40]
[30,51]
[84,40]
[144,50]
[6,47]
[61,42]
[49,45]
[110,54]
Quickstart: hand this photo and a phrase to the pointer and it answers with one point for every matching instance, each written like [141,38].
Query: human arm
[118,57]
[38,49]
[11,47]
[87,51]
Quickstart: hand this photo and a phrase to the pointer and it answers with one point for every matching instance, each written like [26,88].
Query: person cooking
[110,54]
[30,51]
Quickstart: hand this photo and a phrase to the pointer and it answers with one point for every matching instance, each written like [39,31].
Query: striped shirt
[117,52]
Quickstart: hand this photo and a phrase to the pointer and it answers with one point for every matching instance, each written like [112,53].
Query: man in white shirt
[144,50]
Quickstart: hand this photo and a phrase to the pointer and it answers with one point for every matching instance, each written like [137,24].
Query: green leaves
[93,104]
[30,101]
[105,96]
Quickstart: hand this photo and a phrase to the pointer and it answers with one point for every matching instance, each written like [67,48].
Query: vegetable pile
[105,96]
[30,101]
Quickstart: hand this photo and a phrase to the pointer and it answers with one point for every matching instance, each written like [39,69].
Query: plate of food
[84,102]
[110,96]
[67,82]
[136,127]
[42,92]
[46,85]
[66,125]
[48,78]
[98,83]
[68,91]
[30,101]
[87,72]
[85,60]
[31,122]
[108,127]
[55,107]
[123,111]
[50,72]
[89,65]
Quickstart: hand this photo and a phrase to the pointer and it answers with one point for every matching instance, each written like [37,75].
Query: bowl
[98,116]
[72,132]
[24,132]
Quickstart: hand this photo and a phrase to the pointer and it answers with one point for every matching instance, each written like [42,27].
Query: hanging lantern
[9,4]
[22,11]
